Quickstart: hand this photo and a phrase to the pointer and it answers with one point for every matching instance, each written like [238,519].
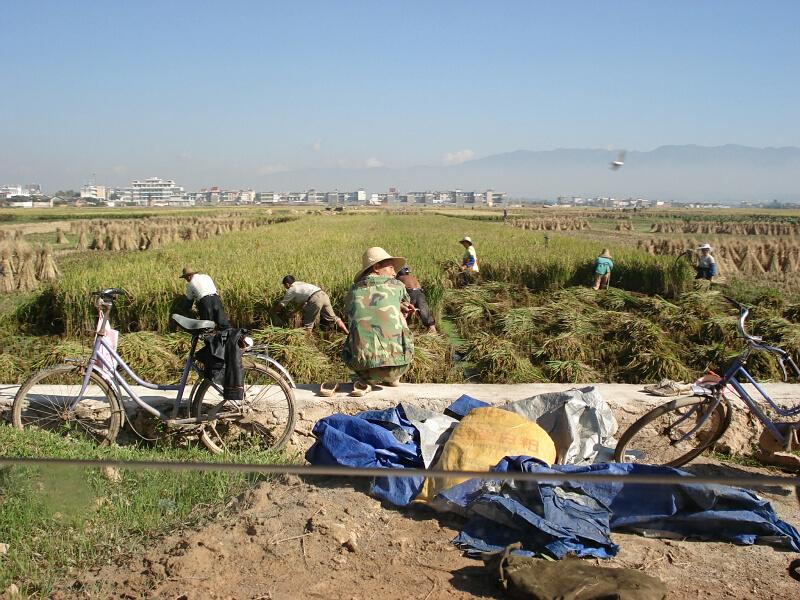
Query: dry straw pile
[736,256]
[738,228]
[563,224]
[579,335]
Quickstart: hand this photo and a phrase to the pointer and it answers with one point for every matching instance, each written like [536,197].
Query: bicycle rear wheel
[45,401]
[657,437]
[264,420]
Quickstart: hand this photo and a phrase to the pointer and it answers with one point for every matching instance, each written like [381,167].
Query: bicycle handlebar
[110,294]
[782,356]
[744,312]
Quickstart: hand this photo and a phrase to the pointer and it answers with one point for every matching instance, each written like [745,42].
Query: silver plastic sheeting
[434,429]
[579,422]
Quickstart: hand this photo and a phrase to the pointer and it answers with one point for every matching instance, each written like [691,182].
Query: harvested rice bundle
[61,237]
[82,243]
[48,271]
[27,272]
[6,271]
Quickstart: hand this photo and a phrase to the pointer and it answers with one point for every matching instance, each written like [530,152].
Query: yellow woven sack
[482,438]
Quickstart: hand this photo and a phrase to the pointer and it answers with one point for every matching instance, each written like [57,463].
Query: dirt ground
[326,539]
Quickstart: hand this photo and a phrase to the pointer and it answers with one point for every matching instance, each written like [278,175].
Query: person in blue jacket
[603,265]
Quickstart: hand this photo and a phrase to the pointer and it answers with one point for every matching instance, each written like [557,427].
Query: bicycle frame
[113,377]
[730,378]
[110,373]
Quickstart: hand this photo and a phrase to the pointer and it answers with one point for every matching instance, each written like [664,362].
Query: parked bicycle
[85,397]
[679,431]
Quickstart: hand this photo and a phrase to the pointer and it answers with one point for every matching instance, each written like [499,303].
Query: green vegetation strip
[58,520]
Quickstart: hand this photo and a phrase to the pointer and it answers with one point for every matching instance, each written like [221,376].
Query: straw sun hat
[375,255]
[605,253]
[187,271]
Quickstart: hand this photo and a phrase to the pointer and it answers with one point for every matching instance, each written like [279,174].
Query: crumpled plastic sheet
[579,421]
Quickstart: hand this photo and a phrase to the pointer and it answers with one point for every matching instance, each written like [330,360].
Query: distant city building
[95,192]
[9,191]
[269,197]
[155,191]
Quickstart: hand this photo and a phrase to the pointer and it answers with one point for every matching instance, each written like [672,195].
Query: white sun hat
[466,238]
[705,247]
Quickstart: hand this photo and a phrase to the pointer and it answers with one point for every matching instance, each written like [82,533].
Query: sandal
[328,389]
[360,388]
[668,387]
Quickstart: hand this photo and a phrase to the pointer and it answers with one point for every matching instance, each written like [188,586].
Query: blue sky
[230,92]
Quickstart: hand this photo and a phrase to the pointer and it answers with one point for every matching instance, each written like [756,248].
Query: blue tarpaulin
[370,439]
[564,518]
[554,519]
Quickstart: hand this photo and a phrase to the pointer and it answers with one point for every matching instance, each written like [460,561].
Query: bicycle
[677,432]
[83,397]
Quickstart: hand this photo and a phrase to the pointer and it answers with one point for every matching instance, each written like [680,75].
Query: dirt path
[296,539]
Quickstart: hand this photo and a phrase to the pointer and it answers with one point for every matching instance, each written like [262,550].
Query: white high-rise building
[7,191]
[155,191]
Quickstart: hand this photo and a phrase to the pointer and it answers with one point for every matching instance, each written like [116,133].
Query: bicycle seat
[193,324]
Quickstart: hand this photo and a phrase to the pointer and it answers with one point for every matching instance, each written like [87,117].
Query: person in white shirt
[201,289]
[706,265]
[315,302]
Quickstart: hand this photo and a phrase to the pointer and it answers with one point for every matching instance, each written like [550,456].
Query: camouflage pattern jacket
[379,336]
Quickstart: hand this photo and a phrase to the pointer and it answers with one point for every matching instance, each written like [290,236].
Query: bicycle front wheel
[47,401]
[664,436]
[263,420]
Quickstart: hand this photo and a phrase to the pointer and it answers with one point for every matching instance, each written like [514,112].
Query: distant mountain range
[729,173]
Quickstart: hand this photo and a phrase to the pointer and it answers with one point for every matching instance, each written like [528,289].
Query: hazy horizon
[246,93]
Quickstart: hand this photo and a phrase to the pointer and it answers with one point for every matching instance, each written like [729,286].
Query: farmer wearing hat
[470,260]
[418,299]
[706,267]
[379,347]
[201,289]
[603,265]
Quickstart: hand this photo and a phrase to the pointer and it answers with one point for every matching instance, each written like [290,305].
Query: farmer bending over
[418,299]
[706,265]
[603,265]
[379,347]
[201,289]
[315,302]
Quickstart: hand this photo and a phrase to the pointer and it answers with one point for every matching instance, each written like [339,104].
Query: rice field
[326,250]
[529,317]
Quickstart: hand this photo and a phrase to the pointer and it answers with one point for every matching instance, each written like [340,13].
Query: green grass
[744,460]
[60,519]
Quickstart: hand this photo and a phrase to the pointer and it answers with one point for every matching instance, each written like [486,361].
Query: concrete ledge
[628,401]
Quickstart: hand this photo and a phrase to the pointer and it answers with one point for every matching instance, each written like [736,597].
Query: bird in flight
[616,164]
